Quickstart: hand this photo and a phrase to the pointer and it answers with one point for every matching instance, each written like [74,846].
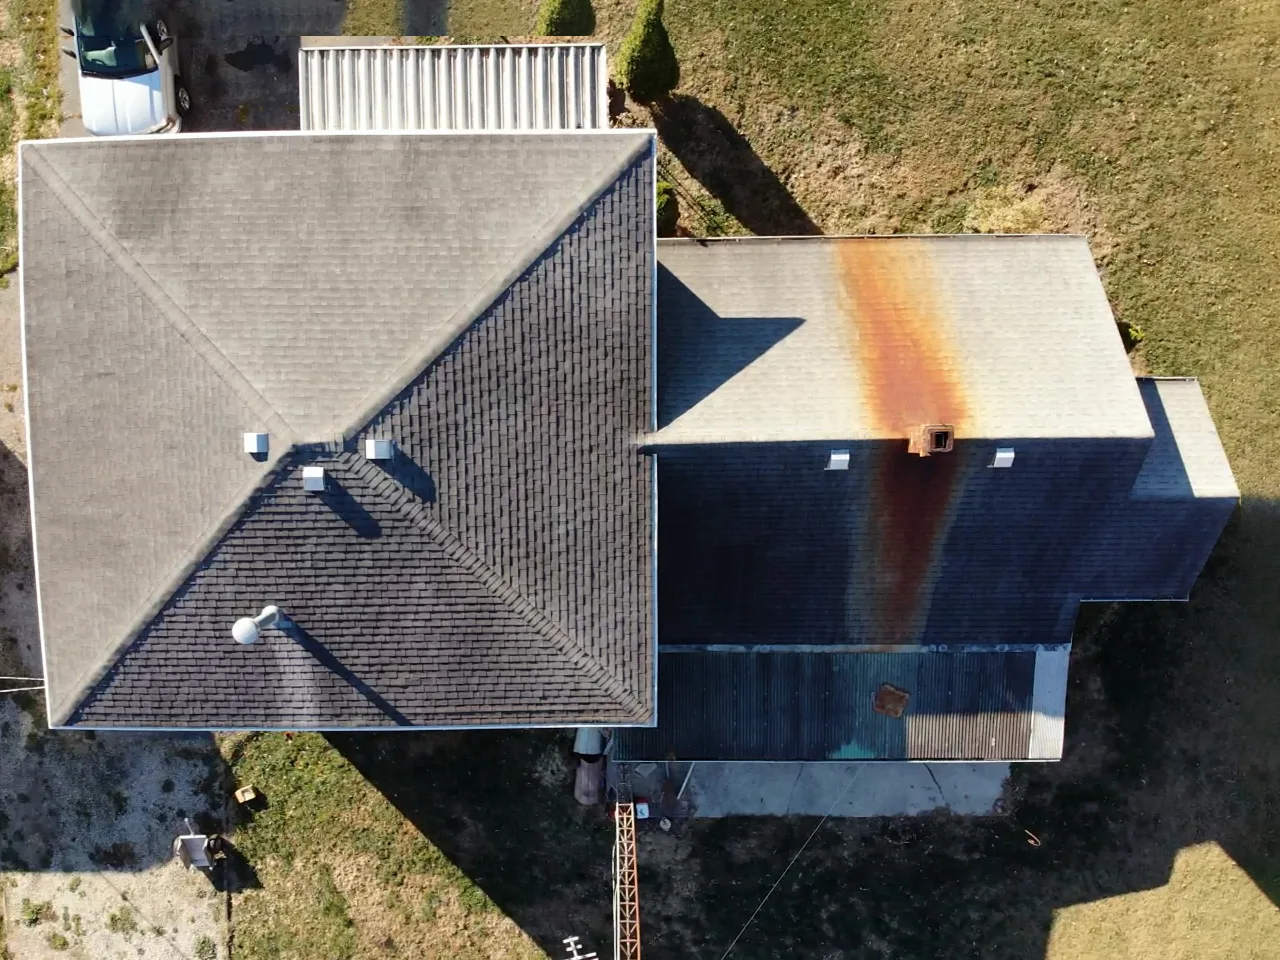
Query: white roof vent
[247,630]
[255,443]
[839,460]
[378,449]
[313,479]
[1003,457]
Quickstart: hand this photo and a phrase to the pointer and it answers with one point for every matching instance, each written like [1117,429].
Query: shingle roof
[483,300]
[1186,459]
[797,339]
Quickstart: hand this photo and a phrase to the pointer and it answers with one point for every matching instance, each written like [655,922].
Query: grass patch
[59,942]
[35,912]
[374,18]
[492,18]
[355,872]
[30,102]
[123,922]
[206,949]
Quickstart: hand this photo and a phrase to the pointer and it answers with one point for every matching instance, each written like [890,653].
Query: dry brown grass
[1210,910]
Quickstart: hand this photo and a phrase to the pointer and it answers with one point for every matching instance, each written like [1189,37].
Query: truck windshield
[111,47]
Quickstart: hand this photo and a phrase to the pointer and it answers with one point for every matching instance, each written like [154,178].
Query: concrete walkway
[810,789]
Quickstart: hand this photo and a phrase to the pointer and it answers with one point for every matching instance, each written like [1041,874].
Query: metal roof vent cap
[838,460]
[247,630]
[313,479]
[256,443]
[375,449]
[1003,457]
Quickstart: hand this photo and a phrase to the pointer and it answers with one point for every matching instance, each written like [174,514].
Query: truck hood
[132,105]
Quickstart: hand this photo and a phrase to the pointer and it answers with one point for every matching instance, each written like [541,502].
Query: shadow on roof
[699,350]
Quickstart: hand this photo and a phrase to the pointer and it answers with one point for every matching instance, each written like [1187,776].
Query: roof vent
[839,460]
[932,438]
[378,449]
[255,443]
[313,479]
[1003,457]
[247,630]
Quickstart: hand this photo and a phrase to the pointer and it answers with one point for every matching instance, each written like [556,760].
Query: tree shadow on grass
[721,159]
[541,858]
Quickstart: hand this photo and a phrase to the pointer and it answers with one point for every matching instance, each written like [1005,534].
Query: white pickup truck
[129,79]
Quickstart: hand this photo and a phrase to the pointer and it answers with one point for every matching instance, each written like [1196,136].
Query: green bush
[668,209]
[647,65]
[565,18]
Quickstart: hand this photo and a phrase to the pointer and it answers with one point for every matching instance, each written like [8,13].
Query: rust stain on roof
[900,325]
[909,377]
[910,501]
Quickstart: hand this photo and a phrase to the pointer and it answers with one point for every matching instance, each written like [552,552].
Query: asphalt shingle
[484,301]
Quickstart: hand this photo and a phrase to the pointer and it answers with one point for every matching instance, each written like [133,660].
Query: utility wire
[834,803]
[21,689]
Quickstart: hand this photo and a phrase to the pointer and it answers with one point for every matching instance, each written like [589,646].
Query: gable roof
[867,338]
[485,300]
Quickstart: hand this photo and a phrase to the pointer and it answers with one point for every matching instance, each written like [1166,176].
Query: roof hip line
[154,293]
[412,510]
[472,309]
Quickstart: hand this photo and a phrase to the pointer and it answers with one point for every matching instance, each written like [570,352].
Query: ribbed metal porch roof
[495,87]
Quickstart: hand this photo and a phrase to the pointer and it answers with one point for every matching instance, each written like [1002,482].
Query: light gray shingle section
[135,443]
[767,339]
[316,264]
[1186,459]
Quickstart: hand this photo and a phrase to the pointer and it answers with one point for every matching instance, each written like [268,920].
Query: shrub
[565,18]
[647,65]
[668,209]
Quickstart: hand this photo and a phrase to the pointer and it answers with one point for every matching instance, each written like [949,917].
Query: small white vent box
[839,460]
[1003,457]
[313,479]
[378,449]
[255,443]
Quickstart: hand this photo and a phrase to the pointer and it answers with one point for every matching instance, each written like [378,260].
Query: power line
[852,781]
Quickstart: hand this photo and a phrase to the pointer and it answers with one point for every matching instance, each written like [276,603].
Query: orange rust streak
[908,377]
[911,496]
[907,370]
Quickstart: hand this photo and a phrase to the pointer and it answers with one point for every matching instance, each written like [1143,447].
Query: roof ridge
[474,308]
[182,324]
[395,495]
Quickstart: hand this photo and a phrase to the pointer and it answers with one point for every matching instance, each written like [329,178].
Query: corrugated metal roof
[818,706]
[543,87]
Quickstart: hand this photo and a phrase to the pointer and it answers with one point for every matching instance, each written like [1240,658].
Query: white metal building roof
[525,87]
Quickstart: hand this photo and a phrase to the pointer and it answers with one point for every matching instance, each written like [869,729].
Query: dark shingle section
[496,573]
[818,706]
[523,438]
[761,544]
